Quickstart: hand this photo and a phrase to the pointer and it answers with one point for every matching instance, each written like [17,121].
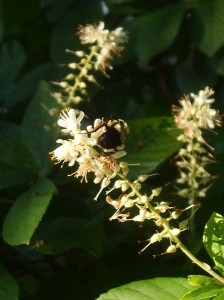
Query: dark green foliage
[56,242]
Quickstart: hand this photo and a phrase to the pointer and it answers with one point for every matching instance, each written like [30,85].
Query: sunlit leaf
[213,240]
[206,292]
[220,296]
[199,280]
[158,288]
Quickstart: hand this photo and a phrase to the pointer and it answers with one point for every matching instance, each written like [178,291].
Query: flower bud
[118,183]
[183,224]
[137,185]
[175,231]
[207,266]
[82,85]
[171,249]
[72,66]
[156,191]
[77,99]
[124,186]
[97,180]
[80,53]
[175,214]
[70,77]
[83,61]
[63,84]
[97,122]
[155,238]
[91,78]
[144,199]
[123,165]
[143,177]
[129,203]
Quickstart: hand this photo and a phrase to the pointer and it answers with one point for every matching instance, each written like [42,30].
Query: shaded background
[56,242]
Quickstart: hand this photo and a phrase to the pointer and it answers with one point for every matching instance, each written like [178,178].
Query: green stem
[201,264]
[192,198]
[166,226]
[82,73]
[194,259]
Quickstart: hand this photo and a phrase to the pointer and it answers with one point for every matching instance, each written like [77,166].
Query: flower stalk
[105,45]
[98,147]
[72,99]
[174,238]
[193,117]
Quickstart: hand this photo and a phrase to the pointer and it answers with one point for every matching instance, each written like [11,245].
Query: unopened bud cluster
[104,45]
[193,117]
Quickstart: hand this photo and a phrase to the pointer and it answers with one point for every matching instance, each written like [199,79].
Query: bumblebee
[110,134]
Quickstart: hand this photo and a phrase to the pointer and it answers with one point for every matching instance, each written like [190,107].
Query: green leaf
[38,126]
[1,30]
[213,238]
[17,164]
[194,74]
[206,292]
[12,89]
[24,88]
[212,16]
[26,213]
[219,296]
[158,288]
[12,59]
[8,287]
[151,141]
[63,234]
[199,280]
[155,31]
[217,62]
[8,130]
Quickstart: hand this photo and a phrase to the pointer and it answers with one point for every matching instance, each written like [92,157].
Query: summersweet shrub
[97,151]
[121,148]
